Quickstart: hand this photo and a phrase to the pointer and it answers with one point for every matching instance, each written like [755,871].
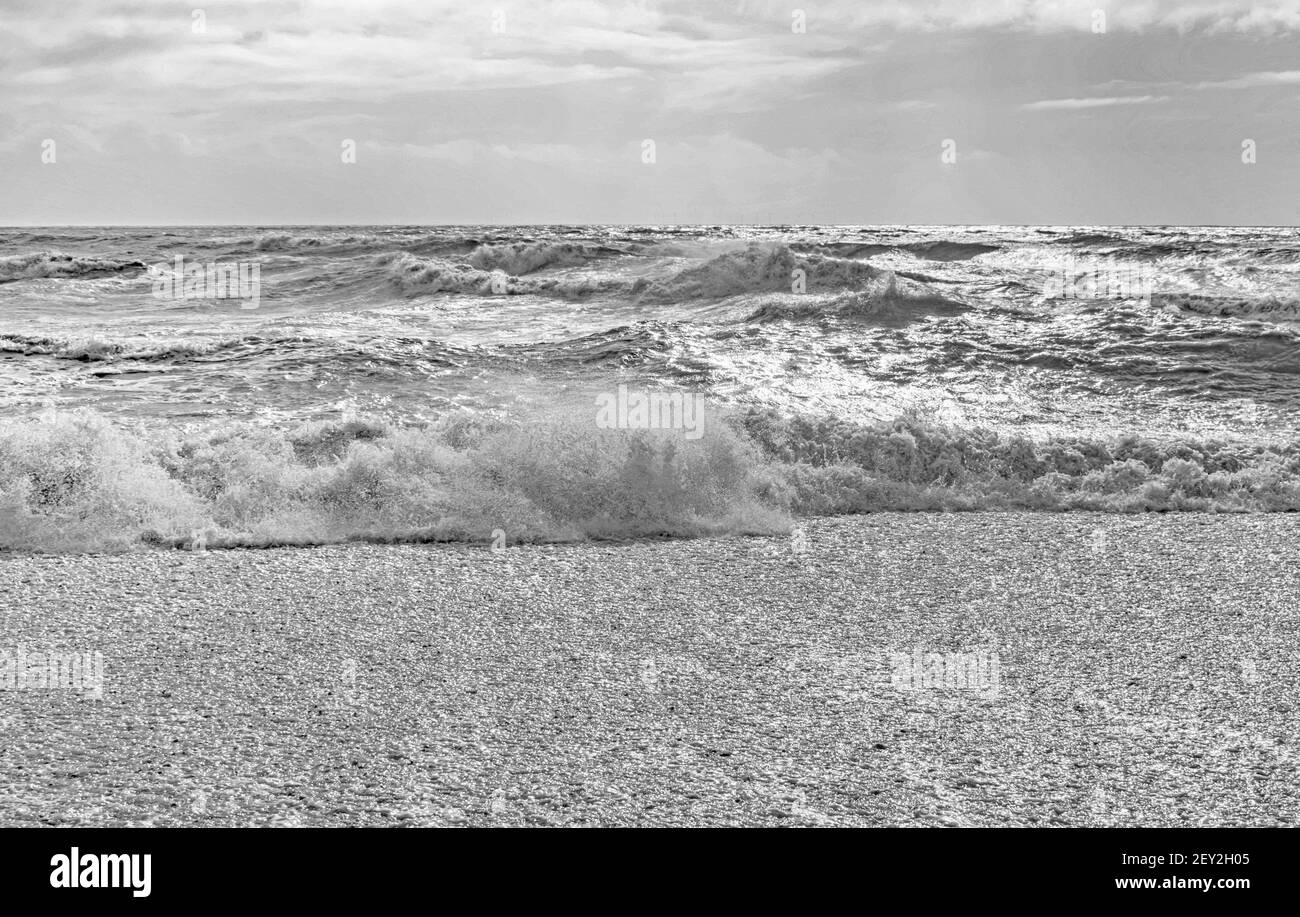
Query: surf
[82,482]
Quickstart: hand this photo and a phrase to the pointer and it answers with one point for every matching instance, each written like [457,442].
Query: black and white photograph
[626,414]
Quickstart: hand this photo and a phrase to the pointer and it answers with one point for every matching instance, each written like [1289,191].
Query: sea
[208,387]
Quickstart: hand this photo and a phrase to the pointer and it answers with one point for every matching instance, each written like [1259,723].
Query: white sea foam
[79,482]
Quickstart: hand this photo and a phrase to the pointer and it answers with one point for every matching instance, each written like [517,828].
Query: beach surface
[1144,672]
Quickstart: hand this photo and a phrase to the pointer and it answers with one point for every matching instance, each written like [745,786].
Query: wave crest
[758,268]
[98,350]
[40,265]
[886,302]
[284,241]
[913,463]
[519,258]
[946,250]
[79,482]
[415,275]
[1273,306]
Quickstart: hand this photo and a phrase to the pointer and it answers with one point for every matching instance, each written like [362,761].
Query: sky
[575,111]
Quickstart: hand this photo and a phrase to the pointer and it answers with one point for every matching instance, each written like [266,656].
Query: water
[382,372]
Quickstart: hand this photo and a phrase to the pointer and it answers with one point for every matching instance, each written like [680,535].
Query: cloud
[550,100]
[1099,102]
[1045,16]
[1254,80]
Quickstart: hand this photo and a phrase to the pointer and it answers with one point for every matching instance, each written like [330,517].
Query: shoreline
[1146,675]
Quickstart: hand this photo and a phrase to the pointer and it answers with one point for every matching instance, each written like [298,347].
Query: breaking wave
[39,265]
[1089,238]
[333,242]
[78,481]
[834,466]
[943,250]
[99,350]
[937,250]
[414,275]
[525,257]
[283,241]
[1273,306]
[887,302]
[758,268]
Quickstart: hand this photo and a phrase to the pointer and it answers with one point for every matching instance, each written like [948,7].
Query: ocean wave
[846,249]
[46,264]
[946,250]
[1159,248]
[43,237]
[886,302]
[1277,255]
[934,250]
[93,349]
[250,353]
[625,345]
[1270,305]
[519,258]
[77,481]
[1088,238]
[284,241]
[485,253]
[757,268]
[833,466]
[441,247]
[415,275]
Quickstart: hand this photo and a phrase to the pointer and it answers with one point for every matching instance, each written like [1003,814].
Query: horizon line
[648,223]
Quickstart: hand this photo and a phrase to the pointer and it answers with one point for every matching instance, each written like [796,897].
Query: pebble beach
[1145,674]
